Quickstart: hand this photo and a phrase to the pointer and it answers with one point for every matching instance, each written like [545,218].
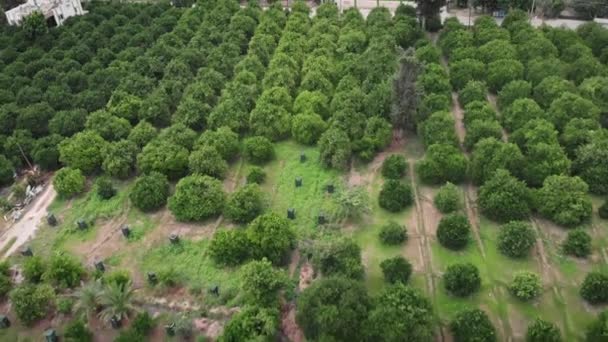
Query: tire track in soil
[424,245]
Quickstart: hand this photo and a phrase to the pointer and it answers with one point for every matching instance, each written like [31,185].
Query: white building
[53,10]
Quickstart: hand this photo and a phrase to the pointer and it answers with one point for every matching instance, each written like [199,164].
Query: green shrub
[393,233]
[395,196]
[472,325]
[515,239]
[543,331]
[104,188]
[197,198]
[31,302]
[453,231]
[258,150]
[68,182]
[33,269]
[473,91]
[64,271]
[207,161]
[64,305]
[77,331]
[150,191]
[396,269]
[245,204]
[118,277]
[595,288]
[5,285]
[256,175]
[394,166]
[577,243]
[598,330]
[448,198]
[230,247]
[526,285]
[462,279]
[143,323]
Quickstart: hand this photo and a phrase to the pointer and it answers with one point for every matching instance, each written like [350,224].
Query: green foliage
[253,323]
[577,243]
[442,163]
[64,305]
[256,175]
[448,198]
[473,325]
[401,314]
[245,204]
[515,239]
[502,72]
[119,158]
[307,128]
[591,164]
[119,277]
[261,282]
[230,247]
[207,161]
[271,237]
[438,129]
[258,149]
[462,279]
[453,231]
[520,112]
[5,284]
[6,171]
[473,91]
[598,329]
[271,116]
[63,271]
[543,331]
[595,288]
[551,88]
[503,198]
[338,256]
[564,200]
[82,151]
[108,126]
[165,157]
[395,195]
[197,198]
[223,139]
[392,233]
[142,133]
[351,203]
[104,188]
[513,91]
[346,299]
[490,155]
[569,106]
[33,269]
[335,149]
[464,71]
[396,270]
[481,129]
[31,302]
[77,331]
[525,285]
[394,166]
[68,182]
[150,191]
[34,25]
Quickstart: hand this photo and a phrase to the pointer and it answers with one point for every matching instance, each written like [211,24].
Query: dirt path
[25,228]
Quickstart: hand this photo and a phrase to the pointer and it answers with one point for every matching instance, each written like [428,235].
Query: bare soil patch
[289,327]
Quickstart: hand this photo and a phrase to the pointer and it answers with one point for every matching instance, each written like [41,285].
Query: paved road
[26,227]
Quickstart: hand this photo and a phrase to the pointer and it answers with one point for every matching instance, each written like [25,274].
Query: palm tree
[116,300]
[88,298]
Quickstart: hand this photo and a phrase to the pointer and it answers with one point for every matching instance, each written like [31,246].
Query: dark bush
[393,233]
[526,285]
[595,288]
[515,239]
[150,191]
[230,247]
[577,243]
[395,196]
[245,204]
[396,269]
[448,198]
[473,325]
[453,231]
[598,330]
[258,149]
[543,331]
[394,167]
[77,331]
[602,211]
[104,188]
[462,279]
[256,175]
